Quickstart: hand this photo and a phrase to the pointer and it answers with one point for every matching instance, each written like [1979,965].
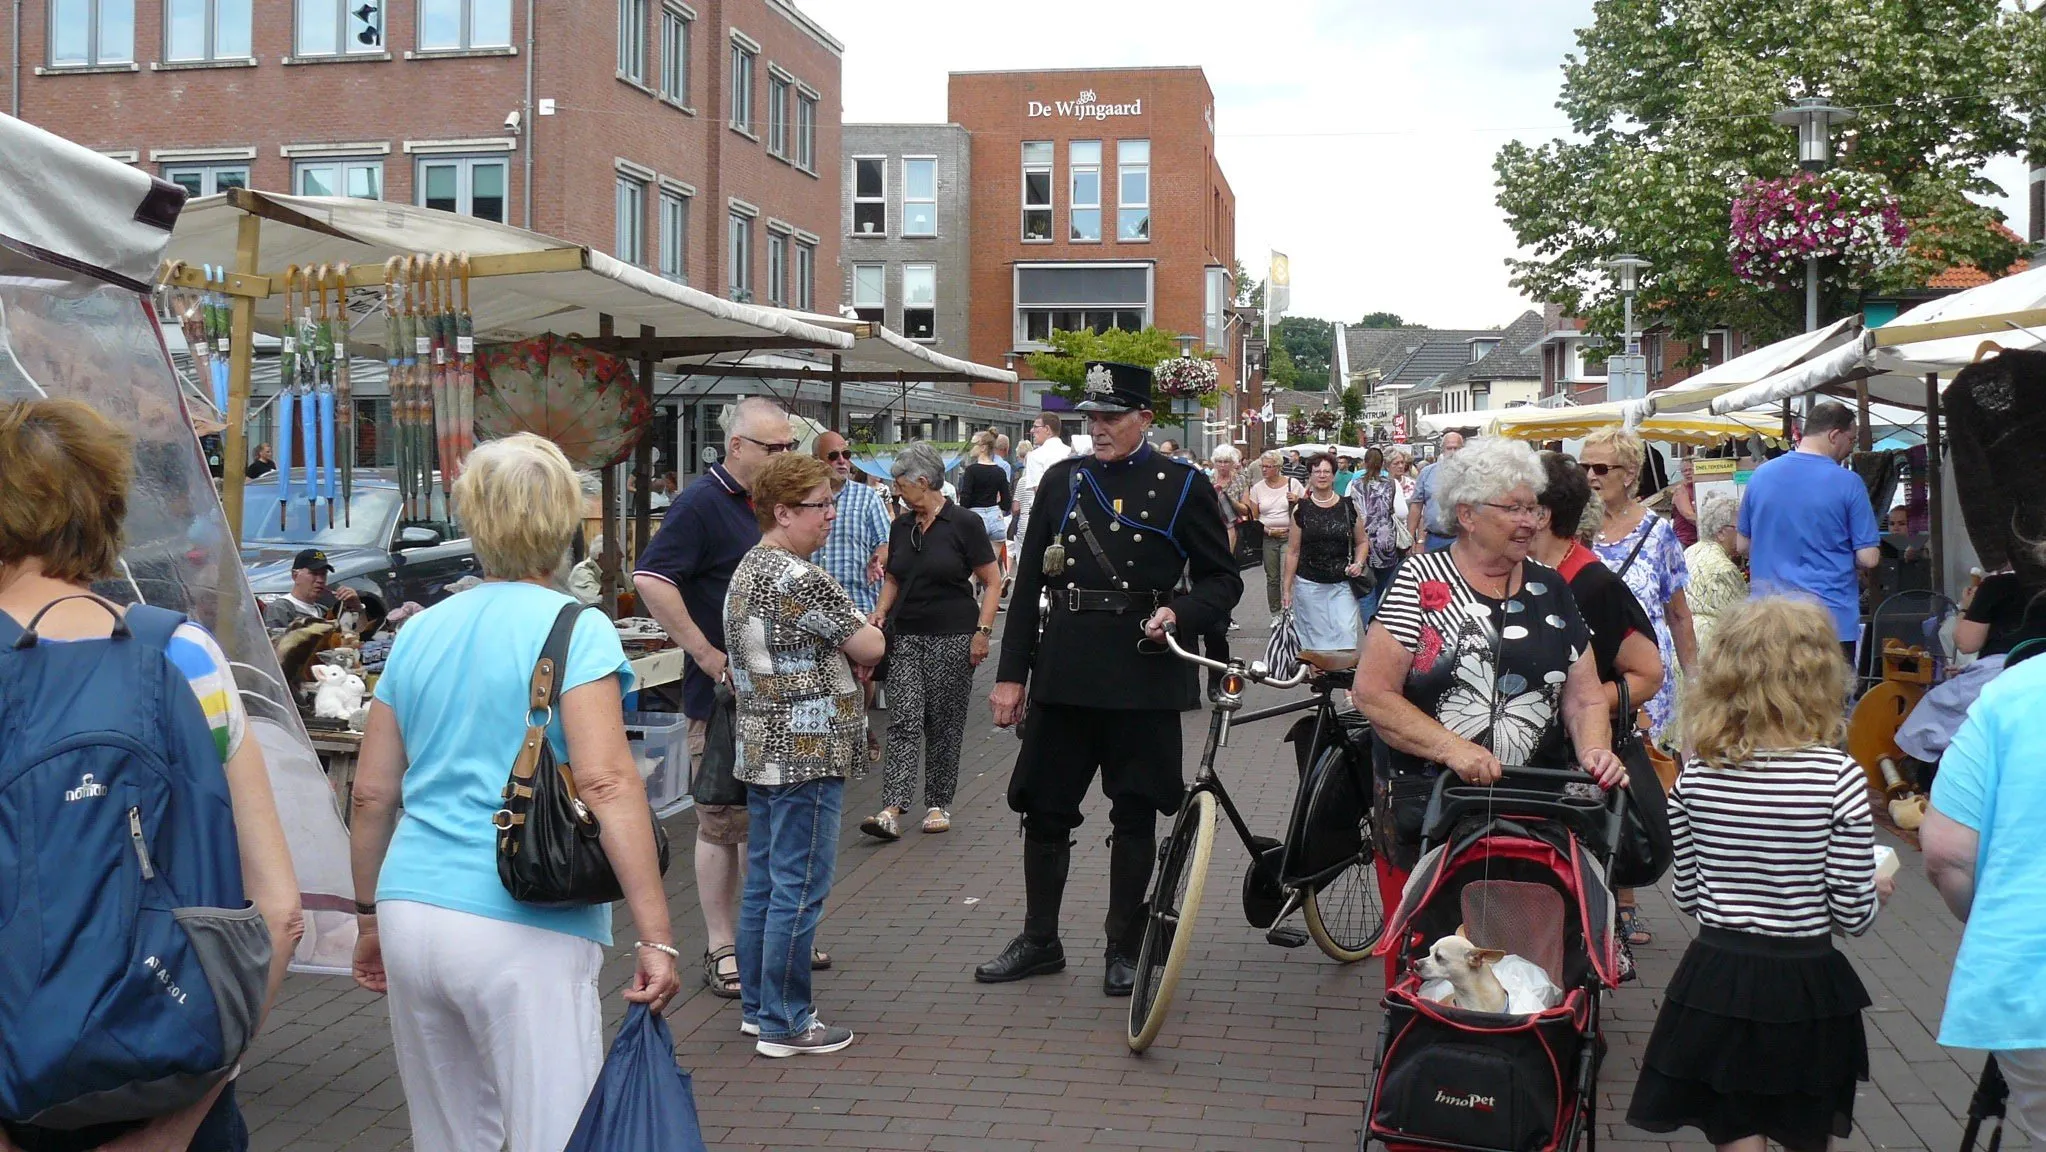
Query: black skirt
[1758,1036]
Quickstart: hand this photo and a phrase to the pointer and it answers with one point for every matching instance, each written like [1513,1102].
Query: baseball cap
[311,558]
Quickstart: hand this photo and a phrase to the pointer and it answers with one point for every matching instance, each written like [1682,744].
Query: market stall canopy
[1575,423]
[878,354]
[69,215]
[536,284]
[1699,391]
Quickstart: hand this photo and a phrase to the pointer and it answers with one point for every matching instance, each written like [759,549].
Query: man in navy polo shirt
[682,579]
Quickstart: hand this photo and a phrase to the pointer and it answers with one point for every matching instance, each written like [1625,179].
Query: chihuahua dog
[1468,968]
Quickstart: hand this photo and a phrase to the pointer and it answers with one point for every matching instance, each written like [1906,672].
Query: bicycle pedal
[1285,936]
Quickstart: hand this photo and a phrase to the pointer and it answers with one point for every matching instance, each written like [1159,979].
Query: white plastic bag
[1528,988]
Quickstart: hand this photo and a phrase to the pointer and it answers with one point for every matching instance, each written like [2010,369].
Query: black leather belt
[1092,600]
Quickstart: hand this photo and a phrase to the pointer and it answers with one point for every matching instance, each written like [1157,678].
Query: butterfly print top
[1489,670]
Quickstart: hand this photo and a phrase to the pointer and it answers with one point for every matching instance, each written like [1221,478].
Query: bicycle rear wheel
[1169,920]
[1344,914]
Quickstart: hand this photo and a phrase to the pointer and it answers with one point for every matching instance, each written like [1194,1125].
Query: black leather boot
[1037,951]
[1129,878]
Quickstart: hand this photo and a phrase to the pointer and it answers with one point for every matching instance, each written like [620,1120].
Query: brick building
[1096,202]
[906,214]
[709,153]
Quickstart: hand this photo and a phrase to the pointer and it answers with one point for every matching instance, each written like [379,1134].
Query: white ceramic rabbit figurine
[340,692]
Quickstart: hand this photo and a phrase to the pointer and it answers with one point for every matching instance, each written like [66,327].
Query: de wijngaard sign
[1084,108]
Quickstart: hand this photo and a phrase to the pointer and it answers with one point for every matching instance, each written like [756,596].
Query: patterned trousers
[930,679]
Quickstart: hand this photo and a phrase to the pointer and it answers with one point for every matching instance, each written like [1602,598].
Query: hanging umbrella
[323,356]
[584,400]
[394,360]
[442,300]
[308,413]
[287,374]
[421,374]
[465,377]
[219,325]
[344,403]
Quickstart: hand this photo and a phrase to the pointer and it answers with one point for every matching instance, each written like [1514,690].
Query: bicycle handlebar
[1267,679]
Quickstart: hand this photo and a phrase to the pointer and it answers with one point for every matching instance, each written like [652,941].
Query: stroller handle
[1452,802]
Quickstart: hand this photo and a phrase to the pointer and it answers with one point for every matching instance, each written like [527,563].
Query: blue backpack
[132,971]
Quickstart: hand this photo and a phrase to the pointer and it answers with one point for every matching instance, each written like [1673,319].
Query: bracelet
[673,952]
[369,909]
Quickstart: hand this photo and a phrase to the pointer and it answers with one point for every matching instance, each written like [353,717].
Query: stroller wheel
[1170,919]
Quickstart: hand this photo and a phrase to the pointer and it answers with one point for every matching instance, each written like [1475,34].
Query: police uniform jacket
[1154,518]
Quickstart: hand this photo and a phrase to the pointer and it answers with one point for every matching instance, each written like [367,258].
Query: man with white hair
[1425,520]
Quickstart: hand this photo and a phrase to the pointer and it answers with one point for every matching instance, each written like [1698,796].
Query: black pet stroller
[1519,867]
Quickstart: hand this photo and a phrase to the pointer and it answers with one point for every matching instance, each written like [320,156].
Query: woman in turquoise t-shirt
[494,1007]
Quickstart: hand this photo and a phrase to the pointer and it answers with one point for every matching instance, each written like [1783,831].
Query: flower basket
[1326,420]
[1186,378]
[1849,219]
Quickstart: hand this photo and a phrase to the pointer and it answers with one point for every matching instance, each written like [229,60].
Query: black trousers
[1137,754]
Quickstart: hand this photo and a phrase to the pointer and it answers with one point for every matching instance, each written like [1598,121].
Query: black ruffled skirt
[1758,1036]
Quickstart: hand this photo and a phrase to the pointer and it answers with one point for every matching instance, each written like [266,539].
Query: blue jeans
[791,850]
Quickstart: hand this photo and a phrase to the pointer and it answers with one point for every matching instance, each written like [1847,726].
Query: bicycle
[1324,867]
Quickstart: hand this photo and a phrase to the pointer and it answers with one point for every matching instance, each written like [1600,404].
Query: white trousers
[496,1026]
[2025,1072]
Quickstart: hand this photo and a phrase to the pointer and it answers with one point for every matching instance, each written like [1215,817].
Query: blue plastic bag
[642,1102]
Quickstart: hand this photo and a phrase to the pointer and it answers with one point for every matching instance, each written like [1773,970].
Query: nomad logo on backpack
[132,971]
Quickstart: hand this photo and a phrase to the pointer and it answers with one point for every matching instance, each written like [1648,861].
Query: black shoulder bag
[1647,530]
[547,847]
[1644,851]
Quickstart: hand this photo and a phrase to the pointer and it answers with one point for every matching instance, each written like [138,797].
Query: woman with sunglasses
[938,635]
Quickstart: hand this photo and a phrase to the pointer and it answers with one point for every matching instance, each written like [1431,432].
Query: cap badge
[1099,381]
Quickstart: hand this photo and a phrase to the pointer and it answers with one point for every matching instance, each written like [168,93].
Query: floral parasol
[584,400]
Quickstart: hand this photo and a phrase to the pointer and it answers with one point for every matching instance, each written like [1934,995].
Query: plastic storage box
[660,747]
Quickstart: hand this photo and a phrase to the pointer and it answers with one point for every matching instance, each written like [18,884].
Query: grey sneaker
[817,1039]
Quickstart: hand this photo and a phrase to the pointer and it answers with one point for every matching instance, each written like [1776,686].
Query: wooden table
[657,668]
[338,750]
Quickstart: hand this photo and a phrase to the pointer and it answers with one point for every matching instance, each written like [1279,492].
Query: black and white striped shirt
[1781,845]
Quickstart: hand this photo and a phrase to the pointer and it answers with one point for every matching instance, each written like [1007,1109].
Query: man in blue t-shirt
[1807,523]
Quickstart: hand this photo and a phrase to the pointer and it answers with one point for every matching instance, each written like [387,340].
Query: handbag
[1282,652]
[642,1101]
[714,781]
[1644,851]
[1366,582]
[548,852]
[888,628]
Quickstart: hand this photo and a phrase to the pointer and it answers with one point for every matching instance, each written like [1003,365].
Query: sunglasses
[812,504]
[1597,469]
[770,447]
[845,455]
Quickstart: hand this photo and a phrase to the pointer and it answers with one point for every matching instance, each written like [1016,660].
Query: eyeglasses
[1597,469]
[813,504]
[845,455]
[1520,511]
[770,447]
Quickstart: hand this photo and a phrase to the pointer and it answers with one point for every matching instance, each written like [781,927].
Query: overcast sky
[1358,134]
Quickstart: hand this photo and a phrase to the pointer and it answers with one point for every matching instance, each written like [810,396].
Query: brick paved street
[1270,1049]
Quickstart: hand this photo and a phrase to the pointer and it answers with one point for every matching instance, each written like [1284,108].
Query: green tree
[1381,320]
[1670,102]
[1353,413]
[1249,293]
[1310,343]
[1064,367]
[1282,372]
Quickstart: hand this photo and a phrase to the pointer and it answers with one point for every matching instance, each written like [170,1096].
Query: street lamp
[1814,119]
[1632,374]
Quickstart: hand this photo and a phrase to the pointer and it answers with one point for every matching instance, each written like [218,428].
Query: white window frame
[96,54]
[209,174]
[465,180]
[1726,351]
[216,13]
[806,275]
[342,166]
[632,26]
[628,229]
[743,60]
[878,303]
[674,235]
[880,164]
[806,129]
[466,20]
[1074,170]
[739,256]
[777,268]
[779,88]
[1048,168]
[342,14]
[931,200]
[675,54]
[1123,171]
[920,267]
[1146,313]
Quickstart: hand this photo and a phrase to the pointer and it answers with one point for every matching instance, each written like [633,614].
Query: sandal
[936,821]
[883,825]
[1630,926]
[722,986]
[820,960]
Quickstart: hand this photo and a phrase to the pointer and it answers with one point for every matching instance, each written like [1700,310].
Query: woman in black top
[1993,616]
[984,490]
[937,636]
[1327,546]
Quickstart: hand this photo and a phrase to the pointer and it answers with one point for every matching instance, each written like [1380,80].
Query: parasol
[465,375]
[584,400]
[394,352]
[287,369]
[418,402]
[344,403]
[441,295]
[218,319]
[308,416]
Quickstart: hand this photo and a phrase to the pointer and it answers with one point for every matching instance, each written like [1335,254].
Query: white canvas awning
[878,350]
[69,215]
[1699,391]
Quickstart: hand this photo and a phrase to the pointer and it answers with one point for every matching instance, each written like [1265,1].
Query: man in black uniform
[1108,539]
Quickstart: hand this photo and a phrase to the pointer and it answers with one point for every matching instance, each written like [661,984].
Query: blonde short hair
[1771,677]
[520,502]
[984,441]
[1270,458]
[1626,446]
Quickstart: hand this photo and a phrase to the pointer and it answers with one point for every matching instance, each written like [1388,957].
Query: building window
[85,32]
[920,301]
[777,116]
[629,233]
[806,132]
[1037,190]
[777,269]
[1084,161]
[806,276]
[1073,297]
[208,30]
[674,55]
[675,237]
[358,179]
[920,197]
[207,179]
[457,24]
[339,27]
[739,257]
[870,292]
[742,88]
[1718,346]
[1216,313]
[1133,190]
[870,195]
[632,40]
[469,185]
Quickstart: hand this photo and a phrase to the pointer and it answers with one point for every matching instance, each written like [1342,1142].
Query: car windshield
[366,524]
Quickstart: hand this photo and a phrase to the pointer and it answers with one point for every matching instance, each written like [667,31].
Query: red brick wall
[1193,211]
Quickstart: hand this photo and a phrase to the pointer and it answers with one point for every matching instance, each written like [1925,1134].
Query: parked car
[373,548]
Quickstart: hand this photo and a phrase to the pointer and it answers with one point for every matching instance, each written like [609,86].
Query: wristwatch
[987,630]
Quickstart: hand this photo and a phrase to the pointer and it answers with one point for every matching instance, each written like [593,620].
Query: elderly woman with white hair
[1717,582]
[938,634]
[494,1010]
[1478,658]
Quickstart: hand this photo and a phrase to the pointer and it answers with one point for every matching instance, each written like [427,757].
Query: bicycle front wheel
[1344,914]
[1169,921]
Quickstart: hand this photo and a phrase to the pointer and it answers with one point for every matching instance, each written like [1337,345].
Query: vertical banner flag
[1279,286]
